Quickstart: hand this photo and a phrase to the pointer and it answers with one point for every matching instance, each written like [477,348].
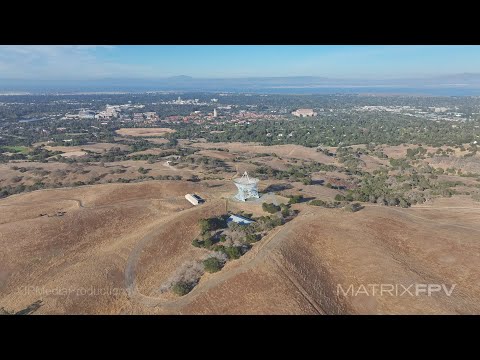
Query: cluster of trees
[206,162]
[349,157]
[326,204]
[301,173]
[339,203]
[145,178]
[400,185]
[11,190]
[234,240]
[233,252]
[377,189]
[215,240]
[284,209]
[416,153]
[37,154]
[337,125]
[341,128]
[325,151]
[212,224]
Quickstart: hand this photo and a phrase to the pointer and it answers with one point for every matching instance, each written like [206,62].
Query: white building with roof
[194,199]
[239,219]
[304,113]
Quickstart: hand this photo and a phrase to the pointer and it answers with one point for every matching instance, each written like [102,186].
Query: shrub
[339,197]
[403,203]
[219,248]
[213,224]
[317,203]
[307,181]
[181,288]
[208,243]
[295,199]
[269,222]
[251,238]
[197,243]
[270,208]
[354,207]
[212,265]
[285,212]
[233,252]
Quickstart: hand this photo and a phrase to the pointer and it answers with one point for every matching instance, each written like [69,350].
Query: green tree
[270,208]
[233,252]
[295,199]
[212,265]
[317,203]
[182,288]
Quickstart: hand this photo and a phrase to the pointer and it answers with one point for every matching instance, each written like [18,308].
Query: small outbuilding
[194,199]
[239,219]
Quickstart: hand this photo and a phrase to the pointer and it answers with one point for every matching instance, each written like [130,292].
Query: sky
[88,62]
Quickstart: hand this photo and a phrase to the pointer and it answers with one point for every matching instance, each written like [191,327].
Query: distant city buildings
[110,111]
[151,116]
[179,101]
[82,114]
[304,113]
[138,117]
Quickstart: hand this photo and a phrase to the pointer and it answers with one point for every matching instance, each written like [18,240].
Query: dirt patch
[222,155]
[287,151]
[147,152]
[385,245]
[144,132]
[97,147]
[74,154]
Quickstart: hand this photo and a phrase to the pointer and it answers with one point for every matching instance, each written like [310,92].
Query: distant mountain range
[292,84]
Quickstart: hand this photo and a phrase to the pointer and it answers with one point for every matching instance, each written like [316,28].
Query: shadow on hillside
[307,199]
[30,309]
[277,187]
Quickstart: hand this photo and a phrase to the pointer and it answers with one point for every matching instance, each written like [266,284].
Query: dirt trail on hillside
[256,255]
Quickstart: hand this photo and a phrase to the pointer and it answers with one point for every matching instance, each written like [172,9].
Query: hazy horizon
[357,62]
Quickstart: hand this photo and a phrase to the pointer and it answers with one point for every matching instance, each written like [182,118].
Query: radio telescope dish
[247,187]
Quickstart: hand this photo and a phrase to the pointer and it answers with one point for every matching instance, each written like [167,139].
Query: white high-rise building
[215,113]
